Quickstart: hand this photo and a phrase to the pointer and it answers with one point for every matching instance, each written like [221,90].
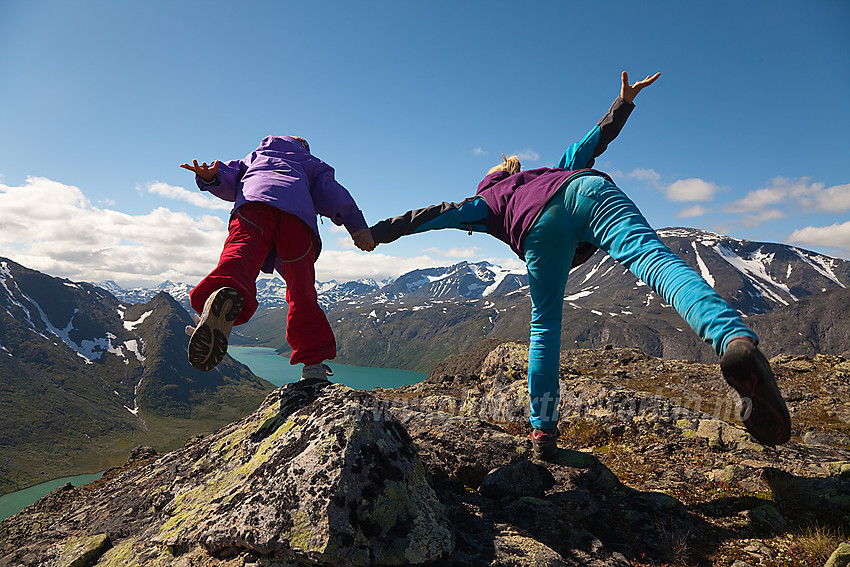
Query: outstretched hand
[629,92]
[204,171]
[363,240]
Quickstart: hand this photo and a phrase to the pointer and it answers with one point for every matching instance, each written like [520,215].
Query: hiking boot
[545,443]
[764,412]
[208,343]
[319,371]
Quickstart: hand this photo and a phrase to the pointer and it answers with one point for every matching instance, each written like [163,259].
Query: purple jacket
[283,174]
[515,202]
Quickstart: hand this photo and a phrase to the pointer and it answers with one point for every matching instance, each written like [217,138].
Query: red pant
[255,229]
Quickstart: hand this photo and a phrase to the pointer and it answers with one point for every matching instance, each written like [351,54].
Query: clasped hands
[363,240]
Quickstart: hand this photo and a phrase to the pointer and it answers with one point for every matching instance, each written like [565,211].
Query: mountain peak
[693,233]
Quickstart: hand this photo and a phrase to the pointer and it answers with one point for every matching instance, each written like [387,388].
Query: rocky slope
[652,469]
[812,325]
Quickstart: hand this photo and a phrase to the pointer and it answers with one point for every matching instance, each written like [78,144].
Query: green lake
[14,502]
[265,363]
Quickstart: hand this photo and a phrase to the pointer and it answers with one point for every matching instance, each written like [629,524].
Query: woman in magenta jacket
[554,218]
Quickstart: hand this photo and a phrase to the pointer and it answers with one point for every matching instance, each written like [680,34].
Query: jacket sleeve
[582,154]
[470,214]
[225,181]
[332,200]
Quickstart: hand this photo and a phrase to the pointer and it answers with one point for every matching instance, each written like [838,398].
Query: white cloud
[528,155]
[464,253]
[692,189]
[54,228]
[683,190]
[345,242]
[797,192]
[752,220]
[478,151]
[644,175]
[835,199]
[755,200]
[837,235]
[344,265]
[196,198]
[691,212]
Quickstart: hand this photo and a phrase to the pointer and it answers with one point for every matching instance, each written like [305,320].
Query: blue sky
[747,132]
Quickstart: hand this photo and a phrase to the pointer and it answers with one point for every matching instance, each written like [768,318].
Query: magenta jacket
[283,174]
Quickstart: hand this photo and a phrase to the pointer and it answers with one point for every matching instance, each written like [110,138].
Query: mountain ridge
[419,318]
[425,315]
[83,377]
[763,276]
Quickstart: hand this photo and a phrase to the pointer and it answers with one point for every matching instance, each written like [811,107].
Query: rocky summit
[653,468]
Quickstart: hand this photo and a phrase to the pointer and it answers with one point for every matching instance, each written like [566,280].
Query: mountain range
[84,377]
[793,298]
[87,371]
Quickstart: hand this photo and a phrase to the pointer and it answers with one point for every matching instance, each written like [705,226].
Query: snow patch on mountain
[131,325]
[179,291]
[703,269]
[704,237]
[88,350]
[579,295]
[821,264]
[5,279]
[29,311]
[135,346]
[135,409]
[756,266]
[593,271]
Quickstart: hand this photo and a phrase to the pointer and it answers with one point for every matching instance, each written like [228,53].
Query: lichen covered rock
[652,467]
[316,474]
[330,480]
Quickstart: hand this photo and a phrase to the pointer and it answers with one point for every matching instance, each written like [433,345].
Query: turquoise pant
[592,209]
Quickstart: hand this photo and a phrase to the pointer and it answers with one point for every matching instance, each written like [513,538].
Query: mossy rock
[79,551]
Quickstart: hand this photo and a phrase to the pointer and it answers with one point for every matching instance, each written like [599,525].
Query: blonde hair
[511,165]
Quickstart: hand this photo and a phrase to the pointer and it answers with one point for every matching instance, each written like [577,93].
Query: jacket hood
[491,179]
[282,144]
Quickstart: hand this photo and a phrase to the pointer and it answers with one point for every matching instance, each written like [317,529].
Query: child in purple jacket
[554,219]
[277,191]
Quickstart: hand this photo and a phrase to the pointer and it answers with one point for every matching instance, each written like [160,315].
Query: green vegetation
[66,454]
